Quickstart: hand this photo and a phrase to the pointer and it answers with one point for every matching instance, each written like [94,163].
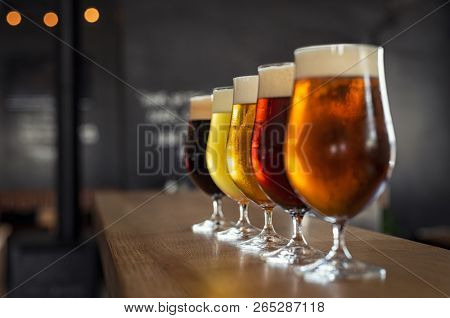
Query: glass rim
[204,96]
[327,46]
[246,76]
[278,64]
[221,88]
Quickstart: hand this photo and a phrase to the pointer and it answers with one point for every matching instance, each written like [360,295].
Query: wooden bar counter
[148,250]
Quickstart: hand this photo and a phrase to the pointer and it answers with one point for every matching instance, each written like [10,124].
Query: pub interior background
[166,51]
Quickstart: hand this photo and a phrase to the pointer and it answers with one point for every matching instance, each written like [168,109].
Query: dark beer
[195,156]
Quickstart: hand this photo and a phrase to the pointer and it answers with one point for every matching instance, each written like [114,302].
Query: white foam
[222,100]
[276,80]
[245,89]
[338,60]
[200,107]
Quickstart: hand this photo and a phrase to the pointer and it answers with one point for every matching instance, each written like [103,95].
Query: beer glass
[274,98]
[340,148]
[195,161]
[216,159]
[240,165]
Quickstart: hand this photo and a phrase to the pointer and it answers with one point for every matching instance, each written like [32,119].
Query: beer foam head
[200,107]
[338,60]
[222,99]
[245,89]
[276,80]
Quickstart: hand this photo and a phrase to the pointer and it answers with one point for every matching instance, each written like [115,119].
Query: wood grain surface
[148,250]
[5,232]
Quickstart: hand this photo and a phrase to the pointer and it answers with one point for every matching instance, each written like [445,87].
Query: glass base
[210,226]
[295,253]
[266,241]
[237,234]
[331,269]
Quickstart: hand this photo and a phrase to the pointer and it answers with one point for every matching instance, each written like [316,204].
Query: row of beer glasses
[316,134]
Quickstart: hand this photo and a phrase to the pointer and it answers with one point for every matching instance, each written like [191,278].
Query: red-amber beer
[274,99]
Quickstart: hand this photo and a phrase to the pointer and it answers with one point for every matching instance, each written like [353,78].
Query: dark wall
[28,65]
[417,69]
[102,119]
[26,105]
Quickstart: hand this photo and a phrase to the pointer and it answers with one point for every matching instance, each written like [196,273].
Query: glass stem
[339,249]
[217,214]
[297,230]
[268,225]
[243,215]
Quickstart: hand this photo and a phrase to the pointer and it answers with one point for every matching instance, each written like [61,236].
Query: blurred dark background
[140,54]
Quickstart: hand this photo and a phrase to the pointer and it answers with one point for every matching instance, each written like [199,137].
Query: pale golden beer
[216,151]
[216,158]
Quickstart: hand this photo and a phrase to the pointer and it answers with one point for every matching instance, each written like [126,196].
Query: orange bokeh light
[91,15]
[50,19]
[13,18]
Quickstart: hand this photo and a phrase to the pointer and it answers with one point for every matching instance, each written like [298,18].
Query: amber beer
[274,99]
[340,132]
[239,161]
[240,140]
